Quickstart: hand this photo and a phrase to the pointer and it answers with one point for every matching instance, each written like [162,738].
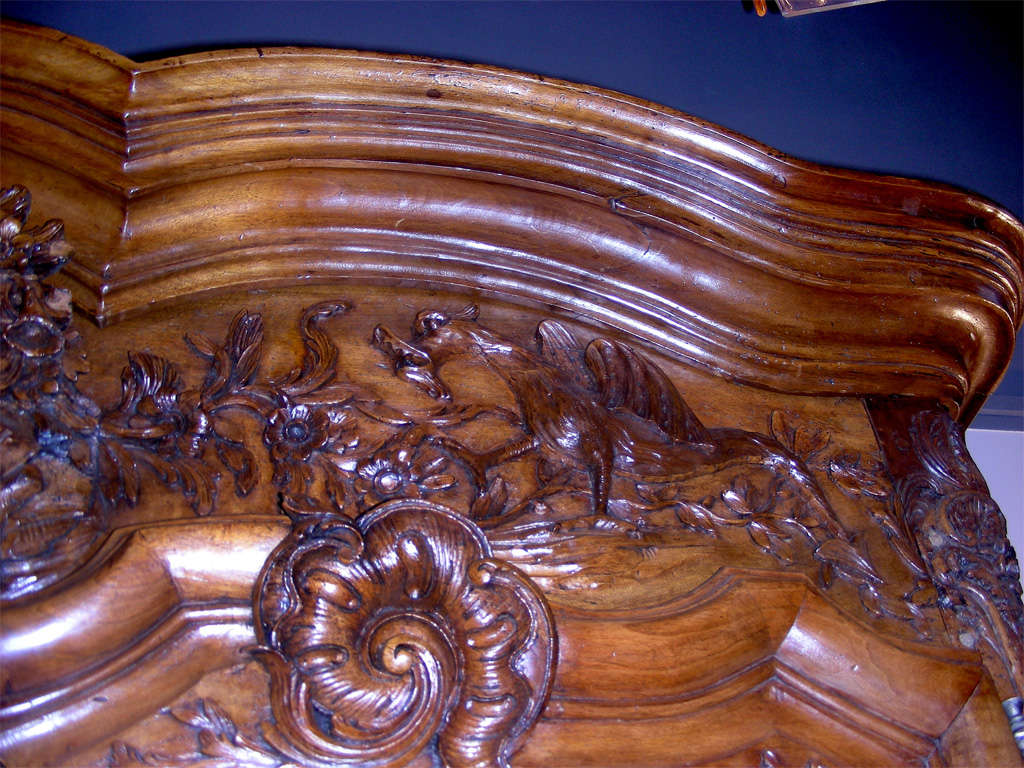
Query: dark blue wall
[925,89]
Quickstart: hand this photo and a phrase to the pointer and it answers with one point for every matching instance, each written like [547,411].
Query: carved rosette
[382,635]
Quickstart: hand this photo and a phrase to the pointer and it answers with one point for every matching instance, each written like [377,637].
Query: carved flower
[296,432]
[34,336]
[975,520]
[400,468]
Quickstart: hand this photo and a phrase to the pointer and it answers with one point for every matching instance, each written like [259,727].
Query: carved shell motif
[380,635]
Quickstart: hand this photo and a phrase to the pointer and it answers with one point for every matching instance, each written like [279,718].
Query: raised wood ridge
[693,238]
[437,415]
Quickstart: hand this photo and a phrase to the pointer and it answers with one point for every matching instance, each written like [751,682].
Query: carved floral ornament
[401,614]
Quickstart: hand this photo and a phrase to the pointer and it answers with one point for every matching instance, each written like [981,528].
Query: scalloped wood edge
[355,164]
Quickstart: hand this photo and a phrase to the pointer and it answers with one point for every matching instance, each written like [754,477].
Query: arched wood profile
[373,410]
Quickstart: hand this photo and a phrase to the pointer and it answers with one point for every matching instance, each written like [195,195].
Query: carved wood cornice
[359,166]
[462,419]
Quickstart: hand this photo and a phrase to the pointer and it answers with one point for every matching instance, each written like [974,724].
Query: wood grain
[175,172]
[372,410]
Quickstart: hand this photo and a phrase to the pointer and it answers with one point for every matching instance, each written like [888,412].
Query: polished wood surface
[370,410]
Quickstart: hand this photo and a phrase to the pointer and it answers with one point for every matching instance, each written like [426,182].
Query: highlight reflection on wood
[368,410]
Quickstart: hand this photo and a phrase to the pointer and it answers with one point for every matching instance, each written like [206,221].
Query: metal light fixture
[800,7]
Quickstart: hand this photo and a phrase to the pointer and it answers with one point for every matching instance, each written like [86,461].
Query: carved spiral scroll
[381,635]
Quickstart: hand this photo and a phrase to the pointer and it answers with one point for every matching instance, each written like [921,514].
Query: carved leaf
[246,345]
[942,449]
[772,539]
[201,345]
[742,499]
[856,477]
[880,604]
[151,377]
[124,756]
[803,440]
[696,517]
[492,502]
[118,473]
[843,557]
[334,484]
[559,347]
[240,462]
[235,362]
[196,479]
[320,359]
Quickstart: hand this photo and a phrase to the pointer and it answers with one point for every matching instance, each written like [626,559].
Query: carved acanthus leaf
[963,535]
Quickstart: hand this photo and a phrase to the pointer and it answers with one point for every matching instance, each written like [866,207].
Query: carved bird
[604,407]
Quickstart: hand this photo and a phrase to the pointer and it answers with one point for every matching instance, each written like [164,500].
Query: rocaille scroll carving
[961,535]
[380,635]
[384,638]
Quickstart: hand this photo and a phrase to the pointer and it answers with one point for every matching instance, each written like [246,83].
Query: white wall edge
[1000,457]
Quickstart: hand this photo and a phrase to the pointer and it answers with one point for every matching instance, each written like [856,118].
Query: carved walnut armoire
[369,410]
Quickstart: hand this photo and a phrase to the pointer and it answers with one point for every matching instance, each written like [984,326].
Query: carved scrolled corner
[961,534]
[382,636]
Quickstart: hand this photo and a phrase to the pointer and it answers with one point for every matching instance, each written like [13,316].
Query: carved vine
[611,445]
[609,433]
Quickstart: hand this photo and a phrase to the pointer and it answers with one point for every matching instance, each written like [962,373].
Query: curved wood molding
[359,166]
[786,650]
[469,418]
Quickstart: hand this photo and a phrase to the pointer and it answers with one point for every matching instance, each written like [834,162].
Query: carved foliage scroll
[380,635]
[386,619]
[960,532]
[611,445]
